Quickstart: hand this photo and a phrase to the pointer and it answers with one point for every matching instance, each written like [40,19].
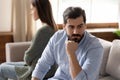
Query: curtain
[22,24]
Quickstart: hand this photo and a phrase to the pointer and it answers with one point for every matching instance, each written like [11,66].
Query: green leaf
[117,32]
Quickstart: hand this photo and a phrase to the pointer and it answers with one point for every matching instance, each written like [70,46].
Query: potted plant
[117,32]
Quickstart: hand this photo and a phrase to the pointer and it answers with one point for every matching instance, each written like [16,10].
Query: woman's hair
[73,12]
[44,10]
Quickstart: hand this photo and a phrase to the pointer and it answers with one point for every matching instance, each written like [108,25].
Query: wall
[5,15]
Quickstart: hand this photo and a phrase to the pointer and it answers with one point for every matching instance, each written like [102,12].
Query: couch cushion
[106,46]
[113,64]
[107,78]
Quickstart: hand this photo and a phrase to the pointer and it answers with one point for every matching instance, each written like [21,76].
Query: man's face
[75,28]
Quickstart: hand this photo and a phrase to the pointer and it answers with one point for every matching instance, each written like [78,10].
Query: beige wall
[5,15]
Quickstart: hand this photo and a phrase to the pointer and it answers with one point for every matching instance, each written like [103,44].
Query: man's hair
[73,12]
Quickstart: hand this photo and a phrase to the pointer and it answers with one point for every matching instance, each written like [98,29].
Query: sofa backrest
[15,51]
[106,46]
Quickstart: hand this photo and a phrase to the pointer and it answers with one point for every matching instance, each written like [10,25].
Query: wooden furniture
[4,38]
[107,34]
[101,30]
[94,28]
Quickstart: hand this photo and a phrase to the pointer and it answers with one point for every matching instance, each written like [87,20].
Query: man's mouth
[75,37]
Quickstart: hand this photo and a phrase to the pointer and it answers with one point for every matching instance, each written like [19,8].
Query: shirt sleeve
[91,66]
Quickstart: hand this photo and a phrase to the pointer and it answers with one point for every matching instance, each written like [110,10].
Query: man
[77,53]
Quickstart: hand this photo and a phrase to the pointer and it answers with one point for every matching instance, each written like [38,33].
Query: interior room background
[15,15]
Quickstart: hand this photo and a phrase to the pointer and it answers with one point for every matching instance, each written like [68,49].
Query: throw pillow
[113,64]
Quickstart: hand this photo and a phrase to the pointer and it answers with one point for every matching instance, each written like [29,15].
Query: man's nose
[75,31]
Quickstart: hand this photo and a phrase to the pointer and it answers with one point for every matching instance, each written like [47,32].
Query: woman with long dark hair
[40,9]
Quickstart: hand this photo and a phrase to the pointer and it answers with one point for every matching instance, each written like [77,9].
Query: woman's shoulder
[46,28]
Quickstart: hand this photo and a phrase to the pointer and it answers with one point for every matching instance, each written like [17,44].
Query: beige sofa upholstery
[15,51]
[110,67]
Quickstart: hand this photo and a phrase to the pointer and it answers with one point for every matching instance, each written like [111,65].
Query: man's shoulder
[60,31]
[93,39]
[59,35]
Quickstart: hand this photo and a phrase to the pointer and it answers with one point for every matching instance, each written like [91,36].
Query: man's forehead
[78,20]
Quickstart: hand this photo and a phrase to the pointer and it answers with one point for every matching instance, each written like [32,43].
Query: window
[5,15]
[97,11]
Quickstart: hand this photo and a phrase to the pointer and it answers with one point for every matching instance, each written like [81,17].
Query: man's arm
[74,67]
[34,78]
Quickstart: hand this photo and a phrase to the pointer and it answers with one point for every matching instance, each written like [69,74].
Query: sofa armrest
[15,51]
[106,46]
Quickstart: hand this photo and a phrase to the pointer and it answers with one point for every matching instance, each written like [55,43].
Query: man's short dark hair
[73,12]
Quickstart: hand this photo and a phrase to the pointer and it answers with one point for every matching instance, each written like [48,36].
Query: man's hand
[71,47]
[34,78]
[74,67]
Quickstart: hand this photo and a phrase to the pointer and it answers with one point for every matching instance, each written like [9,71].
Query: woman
[40,9]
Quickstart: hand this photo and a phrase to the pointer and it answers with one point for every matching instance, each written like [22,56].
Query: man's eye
[80,26]
[71,27]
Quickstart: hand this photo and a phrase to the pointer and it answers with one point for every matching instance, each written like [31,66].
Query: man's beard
[75,37]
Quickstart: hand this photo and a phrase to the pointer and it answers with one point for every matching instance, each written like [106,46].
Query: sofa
[110,67]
